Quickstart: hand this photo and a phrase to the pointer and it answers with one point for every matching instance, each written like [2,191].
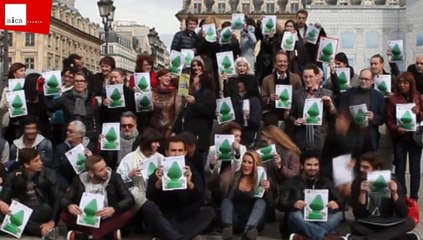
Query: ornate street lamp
[107,14]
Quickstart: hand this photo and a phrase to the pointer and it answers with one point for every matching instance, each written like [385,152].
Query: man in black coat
[36,187]
[98,179]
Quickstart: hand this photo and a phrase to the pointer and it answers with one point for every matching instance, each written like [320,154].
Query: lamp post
[107,13]
[152,39]
[4,55]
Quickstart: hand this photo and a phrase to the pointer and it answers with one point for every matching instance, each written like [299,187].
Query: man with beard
[30,139]
[118,201]
[36,187]
[280,75]
[375,103]
[292,201]
[417,70]
[184,214]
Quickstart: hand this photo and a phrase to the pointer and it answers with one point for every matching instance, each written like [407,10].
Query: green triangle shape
[266,153]
[16,221]
[343,80]
[52,85]
[326,54]
[311,36]
[111,137]
[151,168]
[188,58]
[226,35]
[284,96]
[145,102]
[17,106]
[116,98]
[396,53]
[238,23]
[382,86]
[18,87]
[80,161]
[407,120]
[269,25]
[288,42]
[174,173]
[90,211]
[316,205]
[360,117]
[210,32]
[175,64]
[226,63]
[143,84]
[224,108]
[225,150]
[380,184]
[313,113]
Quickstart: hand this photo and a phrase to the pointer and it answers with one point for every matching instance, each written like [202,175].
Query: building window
[347,40]
[29,39]
[372,40]
[221,7]
[197,8]
[318,2]
[295,7]
[343,2]
[246,7]
[10,38]
[270,8]
[29,62]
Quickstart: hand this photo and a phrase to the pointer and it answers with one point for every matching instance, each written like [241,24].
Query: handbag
[418,135]
[413,209]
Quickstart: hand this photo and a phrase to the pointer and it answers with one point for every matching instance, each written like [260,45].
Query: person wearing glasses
[75,135]
[79,104]
[375,103]
[129,140]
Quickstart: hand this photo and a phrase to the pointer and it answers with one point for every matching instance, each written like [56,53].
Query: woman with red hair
[145,63]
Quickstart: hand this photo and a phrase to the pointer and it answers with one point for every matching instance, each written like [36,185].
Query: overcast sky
[152,13]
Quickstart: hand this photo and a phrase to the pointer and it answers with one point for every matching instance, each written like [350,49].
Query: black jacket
[118,195]
[184,40]
[293,190]
[113,114]
[46,188]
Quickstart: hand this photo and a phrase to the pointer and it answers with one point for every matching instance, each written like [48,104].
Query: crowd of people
[220,193]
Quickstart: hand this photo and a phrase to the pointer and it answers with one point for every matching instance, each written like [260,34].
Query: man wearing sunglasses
[129,140]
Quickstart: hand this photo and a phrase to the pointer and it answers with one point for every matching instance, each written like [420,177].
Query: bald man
[417,70]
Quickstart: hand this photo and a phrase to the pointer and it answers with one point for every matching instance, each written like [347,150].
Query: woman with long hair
[167,104]
[241,210]
[16,70]
[401,132]
[199,106]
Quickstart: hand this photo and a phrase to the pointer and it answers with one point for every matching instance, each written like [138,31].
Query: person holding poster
[400,126]
[292,201]
[181,212]
[309,137]
[79,104]
[242,211]
[247,108]
[35,186]
[229,85]
[377,65]
[108,114]
[375,102]
[293,40]
[280,76]
[75,135]
[199,106]
[378,215]
[312,48]
[99,80]
[118,201]
[248,40]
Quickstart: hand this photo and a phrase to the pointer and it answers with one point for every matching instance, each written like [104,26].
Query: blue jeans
[401,148]
[230,217]
[314,230]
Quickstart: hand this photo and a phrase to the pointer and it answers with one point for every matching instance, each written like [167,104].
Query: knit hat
[198,59]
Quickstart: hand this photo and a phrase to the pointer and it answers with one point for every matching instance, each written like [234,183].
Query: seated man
[292,201]
[30,139]
[117,207]
[75,135]
[36,187]
[183,210]
[378,215]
